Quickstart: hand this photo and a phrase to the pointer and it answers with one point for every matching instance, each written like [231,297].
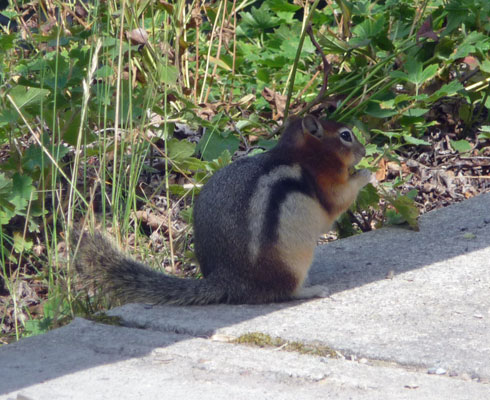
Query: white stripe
[260,200]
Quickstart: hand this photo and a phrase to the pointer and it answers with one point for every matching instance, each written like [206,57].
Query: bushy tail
[97,260]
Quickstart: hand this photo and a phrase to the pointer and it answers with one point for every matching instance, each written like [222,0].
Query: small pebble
[436,371]
[411,386]
[465,376]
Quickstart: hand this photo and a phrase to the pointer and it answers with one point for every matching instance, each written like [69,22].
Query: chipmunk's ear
[312,126]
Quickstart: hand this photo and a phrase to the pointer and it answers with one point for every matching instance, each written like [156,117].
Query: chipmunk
[256,224]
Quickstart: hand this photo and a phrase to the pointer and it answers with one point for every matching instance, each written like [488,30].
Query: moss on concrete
[259,339]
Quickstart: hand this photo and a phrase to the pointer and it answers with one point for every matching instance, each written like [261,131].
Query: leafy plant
[91,101]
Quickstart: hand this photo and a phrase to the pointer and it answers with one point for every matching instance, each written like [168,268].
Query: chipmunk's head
[331,139]
[322,144]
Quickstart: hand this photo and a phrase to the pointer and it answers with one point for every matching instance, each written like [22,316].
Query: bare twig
[326,71]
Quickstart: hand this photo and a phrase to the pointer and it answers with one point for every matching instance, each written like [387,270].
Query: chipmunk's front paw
[311,292]
[364,176]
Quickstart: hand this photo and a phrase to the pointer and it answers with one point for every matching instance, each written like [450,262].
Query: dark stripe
[318,194]
[279,193]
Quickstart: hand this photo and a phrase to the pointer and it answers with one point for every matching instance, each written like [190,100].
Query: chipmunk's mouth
[357,159]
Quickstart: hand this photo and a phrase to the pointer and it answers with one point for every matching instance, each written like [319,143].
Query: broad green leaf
[446,90]
[388,134]
[400,75]
[485,132]
[34,157]
[445,48]
[407,209]
[193,164]
[7,41]
[213,144]
[344,226]
[387,105]
[402,97]
[5,183]
[27,96]
[168,74]
[267,144]
[281,5]
[177,190]
[179,150]
[428,72]
[104,72]
[7,209]
[375,110]
[416,74]
[485,66]
[415,112]
[260,18]
[417,142]
[22,191]
[220,63]
[461,146]
[8,116]
[21,244]
[368,197]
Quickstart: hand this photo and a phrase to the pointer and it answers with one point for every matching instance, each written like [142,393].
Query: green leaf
[485,66]
[22,191]
[7,41]
[416,74]
[21,244]
[220,63]
[281,5]
[415,112]
[168,74]
[7,209]
[444,49]
[390,135]
[446,90]
[8,116]
[267,144]
[344,226]
[35,327]
[461,146]
[375,110]
[104,72]
[260,18]
[400,75]
[27,96]
[401,98]
[5,184]
[193,164]
[34,157]
[388,104]
[414,141]
[179,150]
[406,209]
[213,144]
[368,197]
[485,132]
[177,190]
[429,72]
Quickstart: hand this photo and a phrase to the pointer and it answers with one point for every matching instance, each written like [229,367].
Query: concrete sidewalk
[408,318]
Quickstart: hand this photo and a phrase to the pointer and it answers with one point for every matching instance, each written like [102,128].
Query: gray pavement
[408,316]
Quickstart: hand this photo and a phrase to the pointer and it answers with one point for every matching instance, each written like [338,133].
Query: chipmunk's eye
[346,135]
